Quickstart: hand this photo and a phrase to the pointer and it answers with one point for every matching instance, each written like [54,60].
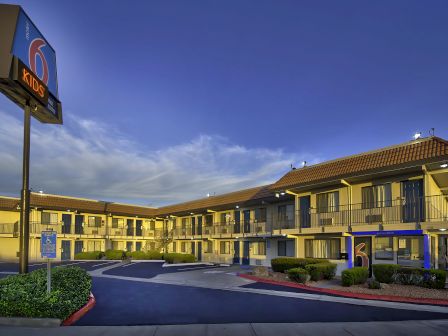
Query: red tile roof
[416,152]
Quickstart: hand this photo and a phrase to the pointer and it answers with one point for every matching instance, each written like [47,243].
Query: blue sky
[165,101]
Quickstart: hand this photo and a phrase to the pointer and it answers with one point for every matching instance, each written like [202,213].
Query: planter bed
[391,292]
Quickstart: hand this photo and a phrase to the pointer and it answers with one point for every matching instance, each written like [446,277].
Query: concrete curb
[348,294]
[81,312]
[30,322]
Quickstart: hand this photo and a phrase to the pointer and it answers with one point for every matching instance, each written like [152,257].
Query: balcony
[134,233]
[426,210]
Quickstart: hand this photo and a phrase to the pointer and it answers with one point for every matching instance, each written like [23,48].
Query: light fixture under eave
[237,207]
[442,229]
[277,195]
[283,193]
[444,165]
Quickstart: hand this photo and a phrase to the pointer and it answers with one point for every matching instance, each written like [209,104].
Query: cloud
[85,158]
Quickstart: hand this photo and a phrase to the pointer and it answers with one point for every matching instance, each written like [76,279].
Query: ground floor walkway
[408,328]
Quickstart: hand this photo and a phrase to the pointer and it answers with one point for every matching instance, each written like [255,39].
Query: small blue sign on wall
[48,244]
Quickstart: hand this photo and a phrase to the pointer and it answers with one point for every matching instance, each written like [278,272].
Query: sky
[166,101]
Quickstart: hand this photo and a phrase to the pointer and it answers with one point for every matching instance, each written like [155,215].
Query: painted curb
[81,312]
[348,294]
[188,264]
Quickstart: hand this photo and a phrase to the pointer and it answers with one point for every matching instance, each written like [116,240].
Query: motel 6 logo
[35,52]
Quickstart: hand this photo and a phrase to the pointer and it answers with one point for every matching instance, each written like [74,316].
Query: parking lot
[147,293]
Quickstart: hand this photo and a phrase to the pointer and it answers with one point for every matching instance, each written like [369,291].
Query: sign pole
[25,197]
[48,275]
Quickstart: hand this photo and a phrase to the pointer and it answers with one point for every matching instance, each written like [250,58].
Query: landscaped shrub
[148,255]
[115,254]
[373,284]
[176,258]
[95,255]
[298,275]
[321,271]
[385,272]
[420,277]
[25,295]
[354,276]
[286,263]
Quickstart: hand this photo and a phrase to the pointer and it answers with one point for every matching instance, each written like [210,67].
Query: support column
[349,248]
[25,194]
[426,251]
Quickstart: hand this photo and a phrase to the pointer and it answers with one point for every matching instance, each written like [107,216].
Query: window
[152,225]
[138,246]
[384,248]
[183,247]
[285,248]
[49,218]
[378,196]
[93,245]
[410,251]
[208,247]
[260,215]
[208,220]
[259,248]
[117,223]
[129,246]
[286,215]
[94,221]
[328,202]
[225,218]
[322,248]
[224,247]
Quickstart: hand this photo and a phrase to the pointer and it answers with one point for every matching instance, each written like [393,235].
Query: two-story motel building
[390,205]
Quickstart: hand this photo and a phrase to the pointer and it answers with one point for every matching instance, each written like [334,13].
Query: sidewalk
[408,328]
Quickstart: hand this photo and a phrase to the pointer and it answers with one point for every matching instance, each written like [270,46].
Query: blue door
[79,245]
[413,205]
[246,248]
[236,226]
[138,227]
[304,212]
[193,248]
[246,219]
[199,251]
[236,252]
[79,219]
[200,225]
[66,251]
[130,227]
[66,223]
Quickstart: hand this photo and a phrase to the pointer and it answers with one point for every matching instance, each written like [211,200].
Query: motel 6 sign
[28,66]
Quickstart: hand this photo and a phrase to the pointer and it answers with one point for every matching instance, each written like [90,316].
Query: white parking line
[103,263]
[75,263]
[126,265]
[195,268]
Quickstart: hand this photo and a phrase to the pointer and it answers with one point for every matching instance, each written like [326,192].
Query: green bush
[285,263]
[385,272]
[420,277]
[95,255]
[354,276]
[374,284]
[321,271]
[177,258]
[148,255]
[298,275]
[25,295]
[115,254]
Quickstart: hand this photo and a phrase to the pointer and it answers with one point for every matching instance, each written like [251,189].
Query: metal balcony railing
[419,210]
